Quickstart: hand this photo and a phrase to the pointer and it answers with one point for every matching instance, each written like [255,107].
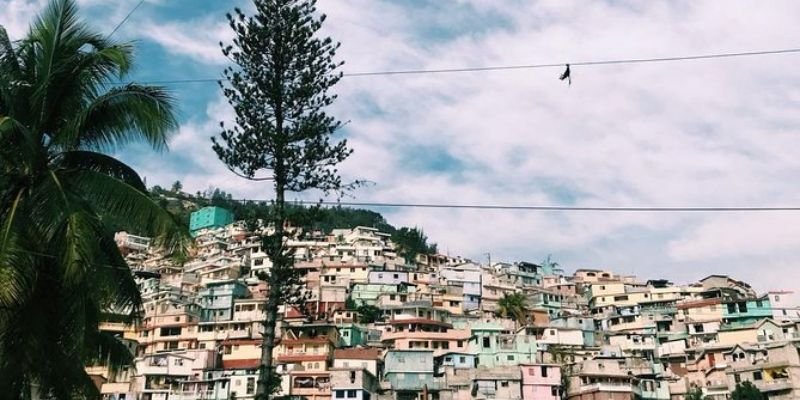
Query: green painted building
[746,311]
[352,335]
[497,347]
[209,217]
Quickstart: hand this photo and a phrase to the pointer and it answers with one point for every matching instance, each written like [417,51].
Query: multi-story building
[541,381]
[434,328]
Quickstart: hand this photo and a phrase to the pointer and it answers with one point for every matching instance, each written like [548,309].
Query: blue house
[216,300]
[454,360]
[746,311]
[468,277]
[409,371]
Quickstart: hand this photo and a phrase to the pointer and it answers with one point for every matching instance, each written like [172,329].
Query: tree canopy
[62,196]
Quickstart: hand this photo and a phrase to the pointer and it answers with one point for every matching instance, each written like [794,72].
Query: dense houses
[436,329]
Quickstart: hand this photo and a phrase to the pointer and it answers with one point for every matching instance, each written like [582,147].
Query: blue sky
[701,133]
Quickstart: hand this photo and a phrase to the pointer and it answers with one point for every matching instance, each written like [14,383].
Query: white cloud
[694,133]
[18,14]
[196,39]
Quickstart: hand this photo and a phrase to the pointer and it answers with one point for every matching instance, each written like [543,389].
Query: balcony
[775,385]
[225,334]
[308,385]
[607,387]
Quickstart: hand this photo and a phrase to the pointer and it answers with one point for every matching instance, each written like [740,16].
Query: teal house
[746,311]
[209,217]
[409,372]
[352,335]
[496,347]
[217,299]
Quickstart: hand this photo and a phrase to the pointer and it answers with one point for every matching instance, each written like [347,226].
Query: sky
[698,133]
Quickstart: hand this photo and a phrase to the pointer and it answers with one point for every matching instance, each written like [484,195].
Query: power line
[536,208]
[124,20]
[519,67]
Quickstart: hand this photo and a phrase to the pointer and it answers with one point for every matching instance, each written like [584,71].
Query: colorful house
[496,346]
[744,311]
[209,218]
[541,381]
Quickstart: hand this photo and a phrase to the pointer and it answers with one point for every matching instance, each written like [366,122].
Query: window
[346,333]
[352,270]
[737,378]
[486,343]
[170,331]
[743,307]
[544,371]
[392,297]
[504,384]
[178,362]
[462,360]
[251,385]
[759,304]
[554,391]
[777,298]
[351,394]
[757,375]
[731,308]
[396,276]
[510,357]
[698,328]
[461,342]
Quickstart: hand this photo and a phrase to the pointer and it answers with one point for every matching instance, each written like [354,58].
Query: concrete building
[209,218]
[541,381]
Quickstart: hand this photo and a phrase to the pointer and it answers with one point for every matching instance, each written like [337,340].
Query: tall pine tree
[279,90]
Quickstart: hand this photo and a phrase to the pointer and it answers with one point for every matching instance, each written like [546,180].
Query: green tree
[278,89]
[177,186]
[369,314]
[412,241]
[61,196]
[696,393]
[513,305]
[746,391]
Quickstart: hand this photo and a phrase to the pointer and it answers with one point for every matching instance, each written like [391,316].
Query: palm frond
[122,204]
[98,162]
[124,115]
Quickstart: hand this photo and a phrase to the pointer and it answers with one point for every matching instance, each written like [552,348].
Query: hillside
[410,240]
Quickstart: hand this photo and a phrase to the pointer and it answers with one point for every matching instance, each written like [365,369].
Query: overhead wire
[553,208]
[516,67]
[124,20]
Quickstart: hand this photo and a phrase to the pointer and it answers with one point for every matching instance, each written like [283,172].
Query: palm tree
[513,305]
[62,197]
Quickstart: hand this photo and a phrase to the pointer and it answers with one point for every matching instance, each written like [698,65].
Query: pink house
[541,381]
